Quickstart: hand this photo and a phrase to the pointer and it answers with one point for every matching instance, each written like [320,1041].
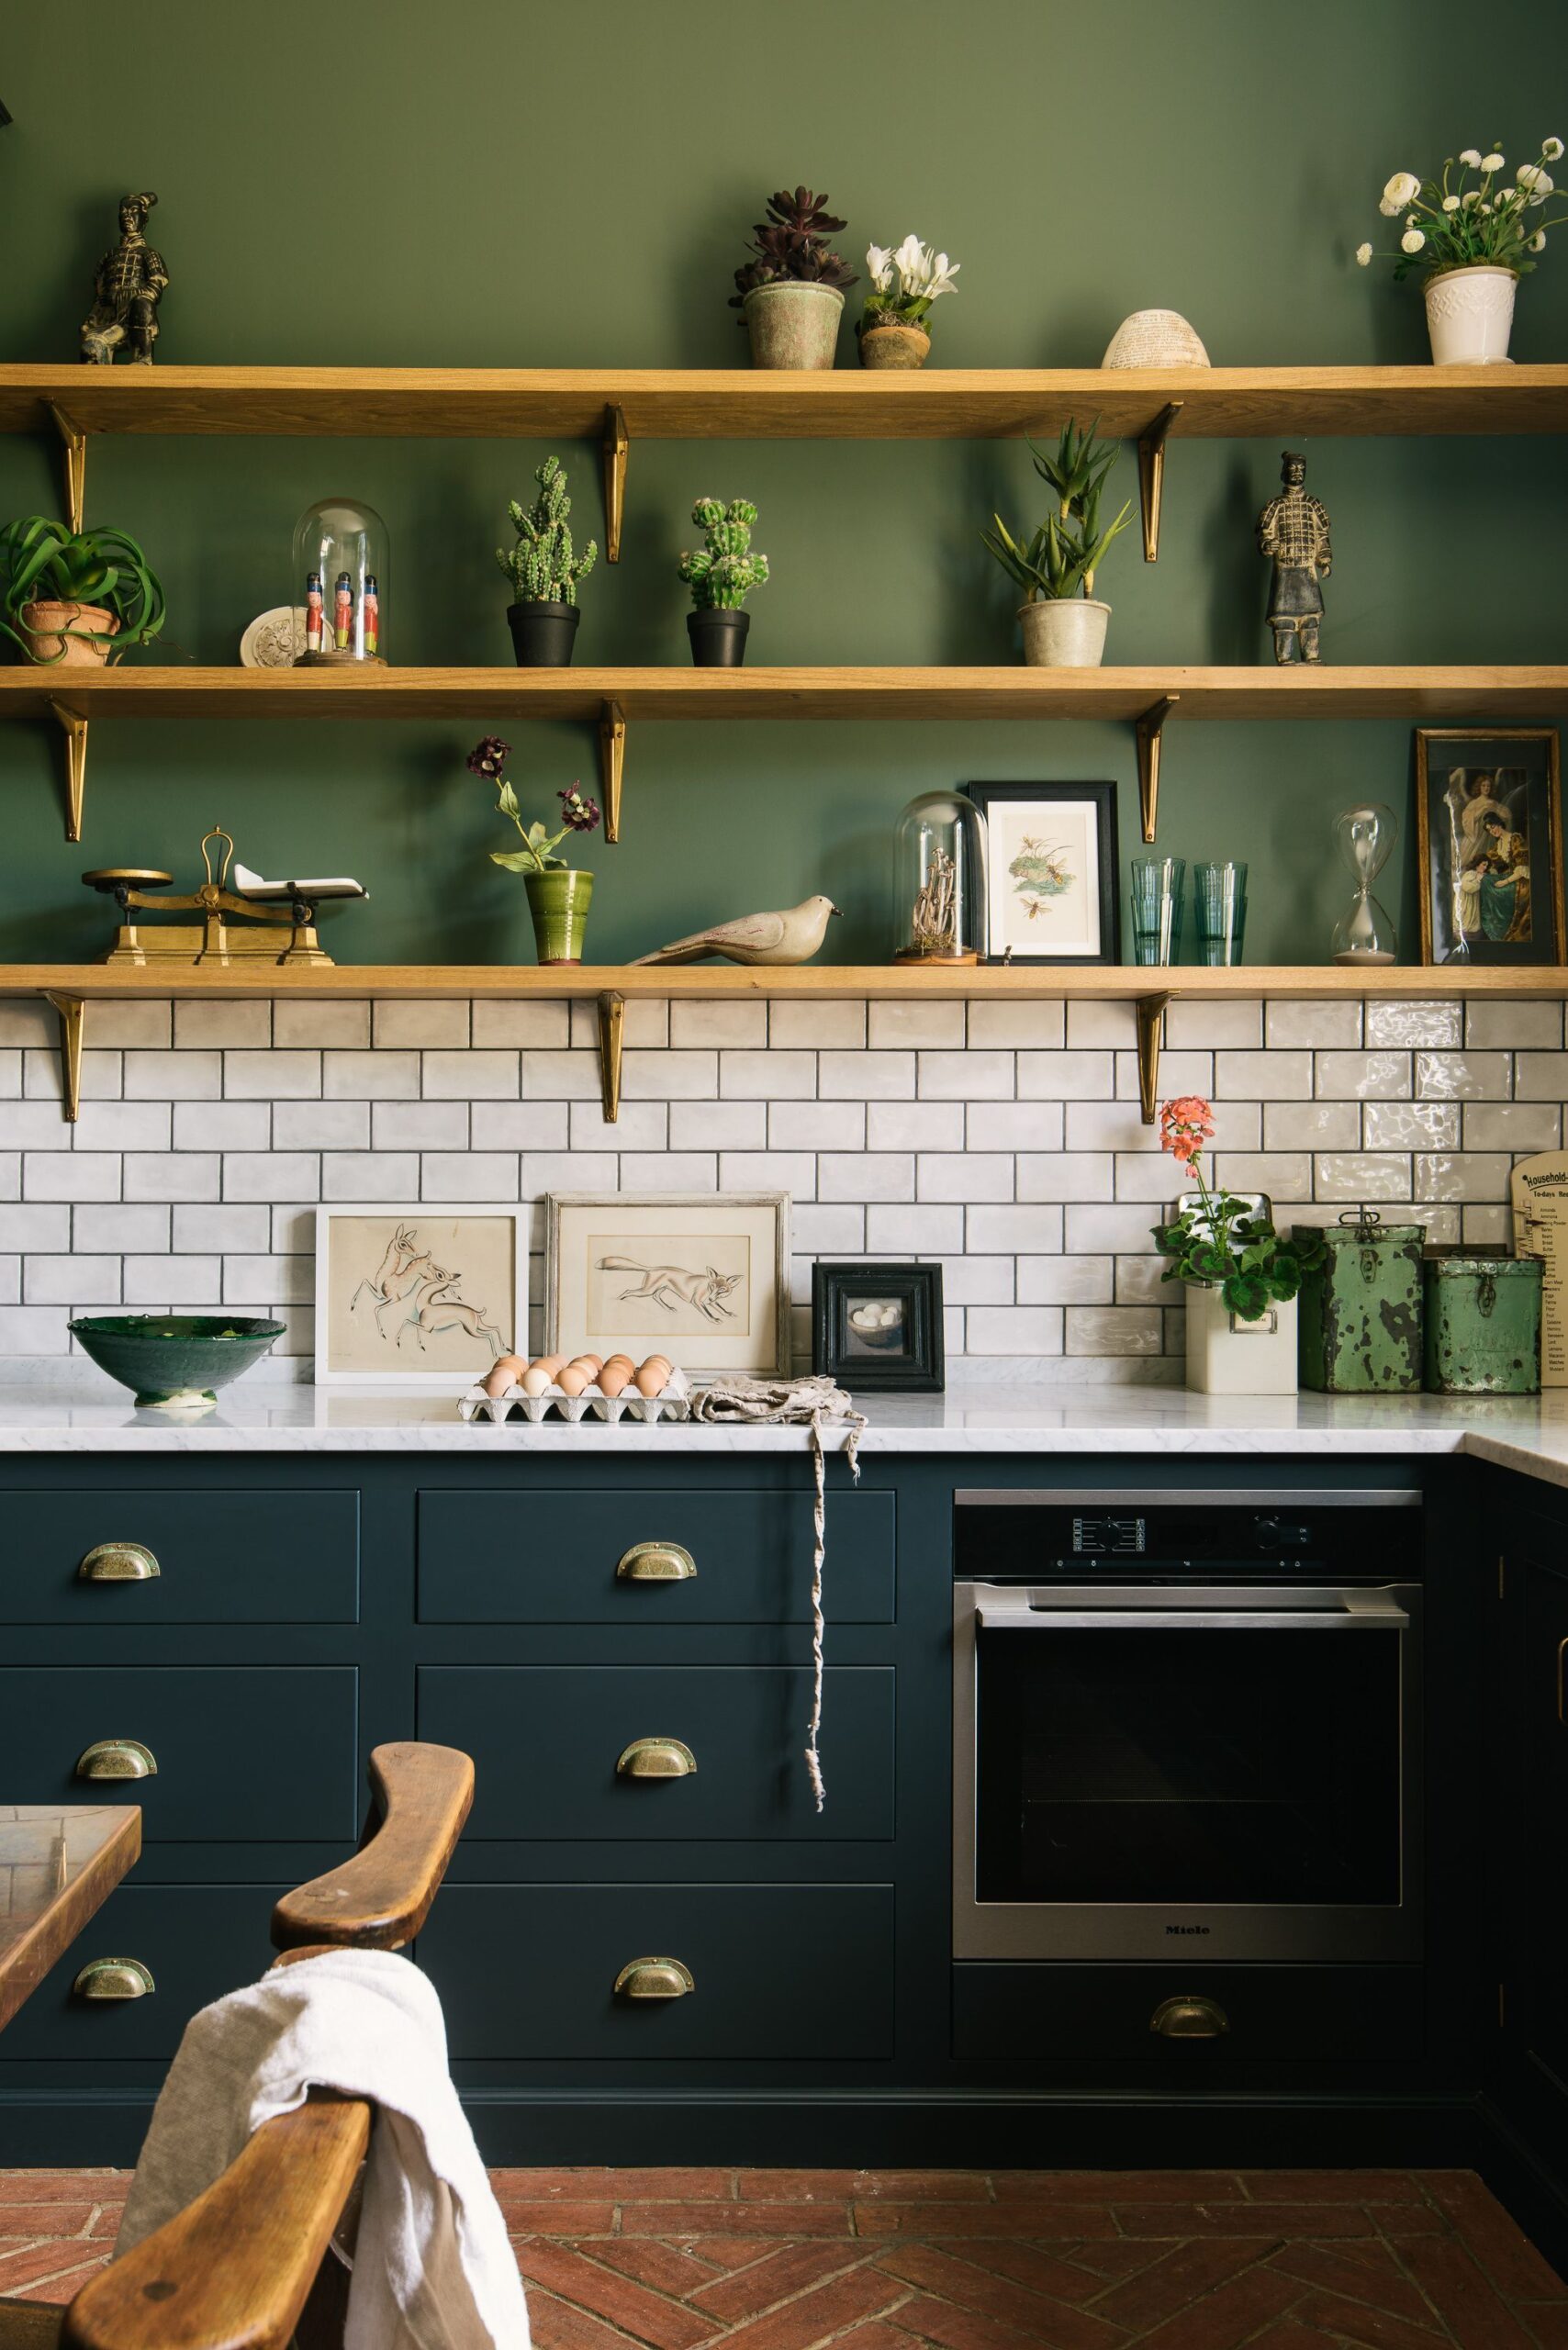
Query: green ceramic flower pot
[177,1360]
[559,904]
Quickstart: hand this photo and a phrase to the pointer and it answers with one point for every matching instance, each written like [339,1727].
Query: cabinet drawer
[547,1741]
[1055,2014]
[242,1750]
[231,1558]
[528,1971]
[197,1941]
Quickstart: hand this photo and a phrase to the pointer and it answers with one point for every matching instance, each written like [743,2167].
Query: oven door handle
[1356,1611]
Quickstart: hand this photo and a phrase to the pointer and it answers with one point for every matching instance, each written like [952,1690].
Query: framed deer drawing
[423,1297]
[703,1278]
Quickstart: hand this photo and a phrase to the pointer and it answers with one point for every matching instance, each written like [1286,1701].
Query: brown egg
[613,1378]
[552,1363]
[571,1381]
[652,1378]
[624,1362]
[535,1379]
[659,1362]
[504,1372]
[594,1363]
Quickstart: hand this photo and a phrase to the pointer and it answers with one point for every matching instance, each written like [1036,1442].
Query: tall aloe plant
[1066,551]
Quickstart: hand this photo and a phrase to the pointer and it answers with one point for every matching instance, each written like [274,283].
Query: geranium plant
[1222,1242]
[537,854]
[1062,557]
[904,284]
[792,243]
[1456,222]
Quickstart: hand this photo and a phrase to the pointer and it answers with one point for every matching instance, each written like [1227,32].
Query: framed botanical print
[705,1277]
[1489,843]
[879,1327]
[1051,892]
[425,1296]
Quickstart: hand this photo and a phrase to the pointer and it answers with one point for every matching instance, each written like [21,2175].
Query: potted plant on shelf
[1241,1278]
[73,597]
[904,285]
[722,575]
[1064,627]
[1473,243]
[791,295]
[557,897]
[544,572]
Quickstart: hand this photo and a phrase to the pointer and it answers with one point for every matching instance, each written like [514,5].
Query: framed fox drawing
[703,1278]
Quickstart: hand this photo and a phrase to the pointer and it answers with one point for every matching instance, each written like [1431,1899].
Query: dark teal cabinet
[249,1560]
[196,1942]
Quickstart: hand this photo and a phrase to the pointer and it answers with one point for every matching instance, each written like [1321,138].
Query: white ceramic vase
[1064,631]
[1470,314]
[1228,1357]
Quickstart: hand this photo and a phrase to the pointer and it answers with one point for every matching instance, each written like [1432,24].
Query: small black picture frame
[1076,893]
[877,1329]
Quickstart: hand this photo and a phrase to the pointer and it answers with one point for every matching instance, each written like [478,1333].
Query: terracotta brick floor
[957,2260]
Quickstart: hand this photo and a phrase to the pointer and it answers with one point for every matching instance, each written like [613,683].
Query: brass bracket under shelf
[73,1015]
[611,764]
[74,442]
[611,1034]
[617,449]
[1150,1012]
[1150,730]
[1151,476]
[74,726]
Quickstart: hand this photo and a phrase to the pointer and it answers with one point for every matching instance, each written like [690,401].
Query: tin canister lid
[1364,1228]
[1475,1260]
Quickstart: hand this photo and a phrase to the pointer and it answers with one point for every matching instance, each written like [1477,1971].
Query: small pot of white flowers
[904,284]
[1474,237]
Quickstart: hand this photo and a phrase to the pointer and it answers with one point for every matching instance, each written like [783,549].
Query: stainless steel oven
[1187,1719]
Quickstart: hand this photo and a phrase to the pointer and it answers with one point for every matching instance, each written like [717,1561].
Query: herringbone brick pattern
[958,2260]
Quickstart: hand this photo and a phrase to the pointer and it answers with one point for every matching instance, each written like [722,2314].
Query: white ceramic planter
[1229,1357]
[1470,314]
[1064,632]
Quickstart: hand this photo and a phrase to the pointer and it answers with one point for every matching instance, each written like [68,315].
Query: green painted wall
[499,183]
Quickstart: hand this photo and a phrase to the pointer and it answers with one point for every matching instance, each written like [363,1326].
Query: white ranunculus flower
[1470,158]
[1363,254]
[1507,195]
[1450,204]
[1551,148]
[1537,185]
[1472,199]
[1401,190]
[1492,162]
[1412,240]
[1536,244]
[879,263]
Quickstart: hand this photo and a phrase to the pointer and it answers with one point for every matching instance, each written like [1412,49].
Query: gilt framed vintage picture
[879,1327]
[704,1278]
[423,1297]
[1489,845]
[1051,871]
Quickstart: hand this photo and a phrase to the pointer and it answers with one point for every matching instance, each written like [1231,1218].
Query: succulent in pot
[1064,626]
[722,575]
[1472,244]
[904,284]
[791,295]
[544,571]
[558,898]
[72,598]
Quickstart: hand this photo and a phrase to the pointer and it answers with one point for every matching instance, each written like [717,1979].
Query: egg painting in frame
[423,1297]
[1051,892]
[702,1278]
[877,1329]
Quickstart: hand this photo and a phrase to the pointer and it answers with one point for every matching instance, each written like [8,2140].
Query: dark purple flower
[489,758]
[581,815]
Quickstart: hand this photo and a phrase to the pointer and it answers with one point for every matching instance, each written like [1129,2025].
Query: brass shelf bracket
[1150,1012]
[74,726]
[611,1036]
[74,442]
[611,764]
[1151,476]
[1150,728]
[617,449]
[72,1017]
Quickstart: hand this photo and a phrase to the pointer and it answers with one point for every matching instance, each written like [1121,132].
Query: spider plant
[45,563]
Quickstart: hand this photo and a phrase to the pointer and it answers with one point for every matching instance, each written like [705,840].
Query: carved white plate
[275,640]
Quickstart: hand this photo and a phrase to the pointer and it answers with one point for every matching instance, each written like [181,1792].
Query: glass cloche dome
[341,563]
[939,860]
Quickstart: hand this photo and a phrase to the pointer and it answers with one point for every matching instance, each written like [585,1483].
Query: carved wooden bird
[791,936]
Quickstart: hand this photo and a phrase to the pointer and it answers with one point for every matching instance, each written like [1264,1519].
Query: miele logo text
[1187,1929]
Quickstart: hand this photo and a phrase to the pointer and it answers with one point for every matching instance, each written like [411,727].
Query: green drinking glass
[1157,887]
[1219,911]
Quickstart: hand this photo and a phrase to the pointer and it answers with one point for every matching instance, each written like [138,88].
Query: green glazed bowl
[175,1361]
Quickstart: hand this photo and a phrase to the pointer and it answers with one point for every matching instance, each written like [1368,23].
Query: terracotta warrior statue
[1293,530]
[126,292]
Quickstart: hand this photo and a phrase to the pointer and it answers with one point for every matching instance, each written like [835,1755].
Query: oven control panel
[1035,1536]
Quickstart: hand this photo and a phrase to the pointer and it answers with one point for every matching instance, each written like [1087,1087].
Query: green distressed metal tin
[1482,1322]
[1361,1309]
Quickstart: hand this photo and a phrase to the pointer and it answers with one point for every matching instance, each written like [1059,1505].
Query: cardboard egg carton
[673,1403]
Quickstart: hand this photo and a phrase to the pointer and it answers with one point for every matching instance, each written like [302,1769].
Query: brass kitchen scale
[137,888]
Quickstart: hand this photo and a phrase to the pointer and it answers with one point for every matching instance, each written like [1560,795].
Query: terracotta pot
[1064,631]
[1470,314]
[894,346]
[793,324]
[559,904]
[43,626]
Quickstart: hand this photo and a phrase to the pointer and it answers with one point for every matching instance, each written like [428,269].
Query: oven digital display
[1109,1537]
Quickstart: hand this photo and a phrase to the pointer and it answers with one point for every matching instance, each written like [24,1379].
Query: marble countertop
[1525,1433]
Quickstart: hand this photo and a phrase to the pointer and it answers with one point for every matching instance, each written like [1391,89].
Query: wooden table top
[59,1863]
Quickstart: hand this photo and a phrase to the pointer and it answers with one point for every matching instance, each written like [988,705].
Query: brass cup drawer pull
[118,1563]
[657,1562]
[654,1978]
[117,1758]
[113,1978]
[657,1758]
[1189,2018]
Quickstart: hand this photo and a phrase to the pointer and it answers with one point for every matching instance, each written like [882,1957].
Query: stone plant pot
[1228,1357]
[1064,631]
[894,346]
[542,634]
[718,639]
[793,324]
[43,627]
[1469,315]
[559,904]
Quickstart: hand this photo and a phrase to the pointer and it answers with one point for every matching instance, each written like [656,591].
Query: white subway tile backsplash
[1283,1175]
[562,1171]
[715,1126]
[1396,1025]
[1319,1025]
[427,1125]
[917,1231]
[1032,1229]
[816,1125]
[218,1231]
[273,1076]
[1362,1175]
[120,1227]
[370,1077]
[739,1025]
[646,1024]
[1444,1175]
[1065,1175]
[63,1280]
[420,1024]
[1305,1125]
[10,1074]
[1487,1227]
[1540,1076]
[559,1076]
[102,1077]
[1009,1126]
[833,1025]
[199,1024]
[869,1175]
[642,1125]
[547,1026]
[1364,1077]
[10,1174]
[835,1231]
[392,1175]
[1509,1125]
[672,1077]
[1517,1027]
[669,1171]
[978,1280]
[321,1125]
[469,1077]
[172,1175]
[223,1125]
[273,1175]
[1061,1280]
[1206,1026]
[1013,1330]
[25,1021]
[1452,1076]
[468,1175]
[940,1025]
[116,1024]
[123,1125]
[506,1125]
[71,1175]
[1026,1027]
[35,1329]
[794,1171]
[768,1076]
[1070,1076]
[1113,1330]
[1410,1126]
[190,1076]
[964,1175]
[1277,1076]
[866,1077]
[33,1126]
[965,1076]
[173,1281]
[268,1280]
[1091,1025]
[43,1225]
[316,1021]
[1184,1072]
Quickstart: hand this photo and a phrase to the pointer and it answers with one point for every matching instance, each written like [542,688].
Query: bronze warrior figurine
[1293,530]
[127,290]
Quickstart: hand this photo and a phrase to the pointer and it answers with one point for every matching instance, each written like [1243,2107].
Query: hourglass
[1363,932]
